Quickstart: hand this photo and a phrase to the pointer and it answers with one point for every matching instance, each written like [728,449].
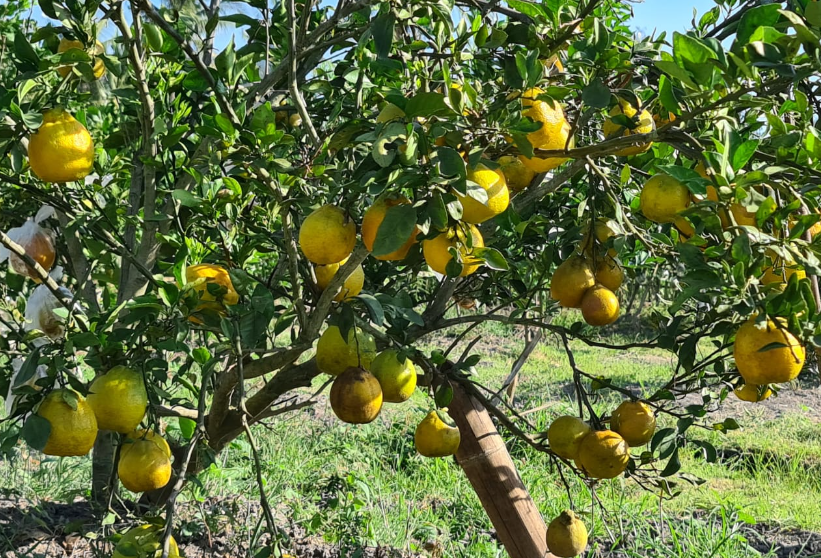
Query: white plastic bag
[40,307]
[12,400]
[36,240]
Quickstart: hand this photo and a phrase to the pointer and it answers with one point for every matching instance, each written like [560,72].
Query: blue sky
[667,15]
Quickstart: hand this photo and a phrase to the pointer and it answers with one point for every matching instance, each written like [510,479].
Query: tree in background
[231,223]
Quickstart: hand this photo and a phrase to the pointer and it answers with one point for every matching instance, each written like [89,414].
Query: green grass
[365,485]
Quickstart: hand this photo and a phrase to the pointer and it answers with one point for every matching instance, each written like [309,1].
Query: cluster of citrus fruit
[598,454]
[117,401]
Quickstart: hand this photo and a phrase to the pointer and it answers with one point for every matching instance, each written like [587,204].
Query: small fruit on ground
[517,175]
[68,44]
[144,465]
[150,435]
[553,135]
[61,150]
[600,306]
[635,422]
[565,435]
[566,535]
[397,378]
[437,435]
[145,541]
[609,273]
[212,275]
[498,196]
[663,197]
[645,126]
[752,393]
[767,353]
[603,455]
[119,399]
[356,396]
[350,288]
[571,280]
[327,235]
[372,220]
[334,355]
[72,420]
[437,250]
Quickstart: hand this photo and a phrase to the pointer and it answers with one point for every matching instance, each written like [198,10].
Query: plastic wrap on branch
[40,315]
[13,399]
[36,240]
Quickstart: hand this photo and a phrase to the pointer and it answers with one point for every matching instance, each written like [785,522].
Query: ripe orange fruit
[767,353]
[119,399]
[663,197]
[356,396]
[603,455]
[372,220]
[327,235]
[61,150]
[144,465]
[570,281]
[600,307]
[437,435]
[498,196]
[437,250]
[635,422]
[645,126]
[565,435]
[609,273]
[73,425]
[68,44]
[566,535]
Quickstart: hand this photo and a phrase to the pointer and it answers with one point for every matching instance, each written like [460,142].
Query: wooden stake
[484,458]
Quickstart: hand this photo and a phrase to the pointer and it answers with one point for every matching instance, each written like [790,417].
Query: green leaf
[395,229]
[450,162]
[443,395]
[667,96]
[673,70]
[754,18]
[24,88]
[382,31]
[36,431]
[492,258]
[596,94]
[741,249]
[226,63]
[375,310]
[201,355]
[224,124]
[24,51]
[28,369]
[673,466]
[187,427]
[427,104]
[70,398]
[742,154]
[186,198]
[693,55]
[813,13]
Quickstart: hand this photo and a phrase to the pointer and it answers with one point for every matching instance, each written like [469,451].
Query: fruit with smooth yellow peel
[437,435]
[566,535]
[334,355]
[327,235]
[212,274]
[397,378]
[517,175]
[609,273]
[565,435]
[144,465]
[350,288]
[553,135]
[437,250]
[68,44]
[61,150]
[119,399]
[498,196]
[145,541]
[752,393]
[603,455]
[373,219]
[600,306]
[663,197]
[72,420]
[645,125]
[571,281]
[151,435]
[635,422]
[767,353]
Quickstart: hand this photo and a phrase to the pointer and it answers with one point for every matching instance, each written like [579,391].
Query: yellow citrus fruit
[600,306]
[211,274]
[389,112]
[767,353]
[327,235]
[603,231]
[119,399]
[781,272]
[151,436]
[603,455]
[398,379]
[144,465]
[437,435]
[38,247]
[334,355]
[635,422]
[554,134]
[295,120]
[609,273]
[530,96]
[372,220]
[437,254]
[61,150]
[752,393]
[645,126]
[517,175]
[72,420]
[498,196]
[662,197]
[701,169]
[571,280]
[565,435]
[68,44]
[356,396]
[566,535]
[663,120]
[145,541]
[350,288]
[743,217]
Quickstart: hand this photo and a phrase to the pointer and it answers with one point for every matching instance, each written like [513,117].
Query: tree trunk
[102,467]
[484,458]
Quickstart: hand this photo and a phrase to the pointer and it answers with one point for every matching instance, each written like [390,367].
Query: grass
[366,486]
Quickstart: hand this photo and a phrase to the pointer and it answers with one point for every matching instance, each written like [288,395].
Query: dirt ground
[53,530]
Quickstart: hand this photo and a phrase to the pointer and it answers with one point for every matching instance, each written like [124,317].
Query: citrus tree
[221,205]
